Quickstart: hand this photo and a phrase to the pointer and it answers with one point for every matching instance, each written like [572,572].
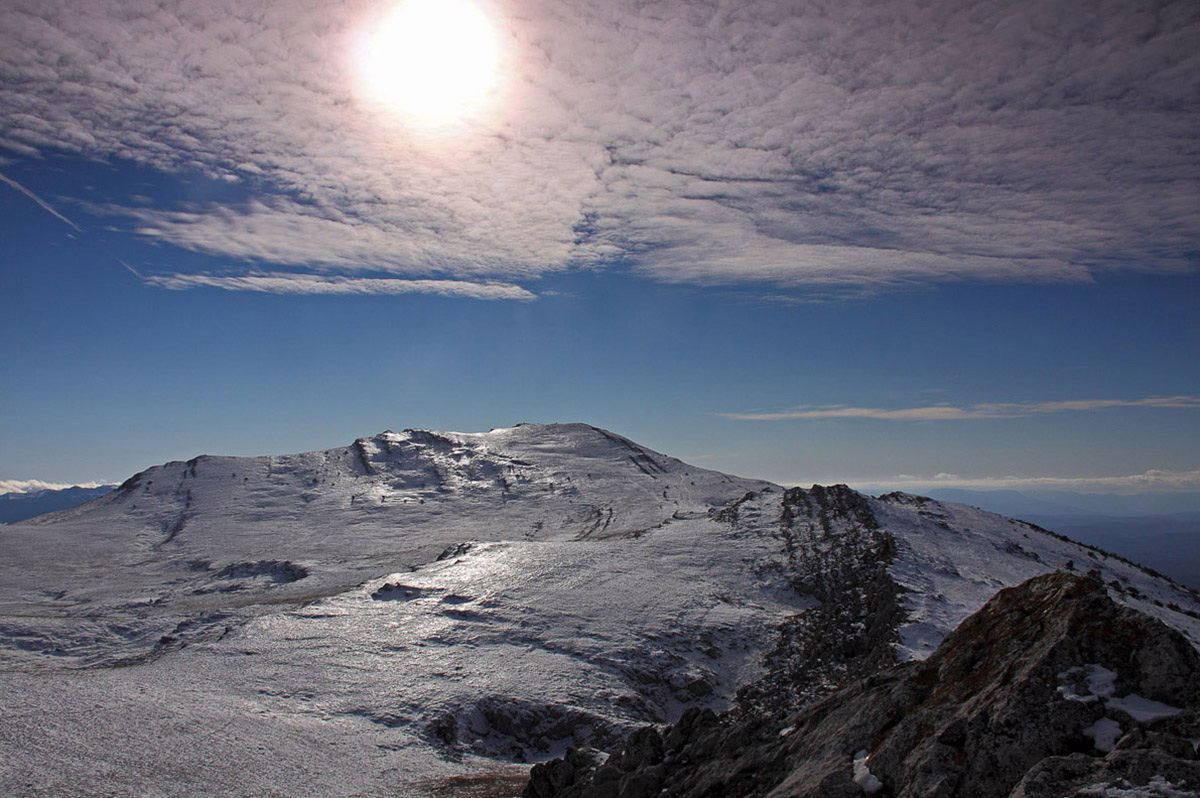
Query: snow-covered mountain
[421,607]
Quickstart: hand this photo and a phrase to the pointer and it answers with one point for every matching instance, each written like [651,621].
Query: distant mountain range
[1023,504]
[423,610]
[20,506]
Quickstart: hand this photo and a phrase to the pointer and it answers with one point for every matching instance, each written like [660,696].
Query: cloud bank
[35,485]
[990,410]
[859,145]
[1147,482]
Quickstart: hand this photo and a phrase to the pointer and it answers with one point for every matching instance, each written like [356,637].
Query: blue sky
[804,263]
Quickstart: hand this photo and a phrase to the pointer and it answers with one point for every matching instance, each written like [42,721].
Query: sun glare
[433,60]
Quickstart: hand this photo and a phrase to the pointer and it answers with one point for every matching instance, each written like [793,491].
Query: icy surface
[1143,710]
[863,776]
[417,606]
[363,621]
[1104,734]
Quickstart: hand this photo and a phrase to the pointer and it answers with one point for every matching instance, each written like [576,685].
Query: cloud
[41,202]
[310,284]
[1149,481]
[861,145]
[988,410]
[35,485]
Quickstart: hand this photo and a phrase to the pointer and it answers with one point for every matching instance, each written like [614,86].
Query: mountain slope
[433,604]
[181,541]
[1050,688]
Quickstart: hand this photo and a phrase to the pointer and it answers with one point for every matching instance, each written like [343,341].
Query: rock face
[838,558]
[1051,689]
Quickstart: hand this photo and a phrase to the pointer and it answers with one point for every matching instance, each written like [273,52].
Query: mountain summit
[421,605]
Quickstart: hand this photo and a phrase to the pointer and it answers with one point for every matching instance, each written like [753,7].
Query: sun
[435,61]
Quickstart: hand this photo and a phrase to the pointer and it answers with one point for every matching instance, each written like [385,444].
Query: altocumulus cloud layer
[831,146]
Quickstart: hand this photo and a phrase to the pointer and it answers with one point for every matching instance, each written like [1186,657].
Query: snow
[863,776]
[283,669]
[953,558]
[1101,685]
[1101,680]
[297,624]
[1143,710]
[1104,734]
[1158,787]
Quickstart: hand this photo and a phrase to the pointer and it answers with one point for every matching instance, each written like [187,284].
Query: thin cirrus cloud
[859,145]
[313,284]
[987,410]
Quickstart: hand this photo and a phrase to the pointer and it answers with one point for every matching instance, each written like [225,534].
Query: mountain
[20,506]
[1051,689]
[1169,544]
[1012,502]
[422,610]
[1157,530]
[1024,504]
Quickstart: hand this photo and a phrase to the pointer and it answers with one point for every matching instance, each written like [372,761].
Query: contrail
[39,201]
[46,206]
[135,272]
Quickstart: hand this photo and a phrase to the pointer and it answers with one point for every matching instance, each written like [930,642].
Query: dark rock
[639,785]
[643,749]
[444,729]
[982,717]
[1082,775]
[276,571]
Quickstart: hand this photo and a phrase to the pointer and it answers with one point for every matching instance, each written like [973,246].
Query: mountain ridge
[452,601]
[1021,700]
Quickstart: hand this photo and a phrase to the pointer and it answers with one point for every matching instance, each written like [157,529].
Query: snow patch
[1101,685]
[1104,734]
[1143,710]
[863,776]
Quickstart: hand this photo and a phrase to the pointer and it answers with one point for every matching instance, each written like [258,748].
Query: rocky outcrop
[837,556]
[1051,689]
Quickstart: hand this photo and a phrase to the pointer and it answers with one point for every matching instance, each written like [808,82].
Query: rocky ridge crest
[1051,689]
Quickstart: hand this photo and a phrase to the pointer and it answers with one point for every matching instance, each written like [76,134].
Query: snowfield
[953,558]
[375,619]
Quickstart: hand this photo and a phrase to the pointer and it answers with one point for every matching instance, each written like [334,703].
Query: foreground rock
[1052,689]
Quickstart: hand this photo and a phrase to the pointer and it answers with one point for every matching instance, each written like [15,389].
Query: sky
[887,243]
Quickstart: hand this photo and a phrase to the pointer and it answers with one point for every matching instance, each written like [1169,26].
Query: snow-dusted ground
[295,610]
[953,558]
[365,621]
